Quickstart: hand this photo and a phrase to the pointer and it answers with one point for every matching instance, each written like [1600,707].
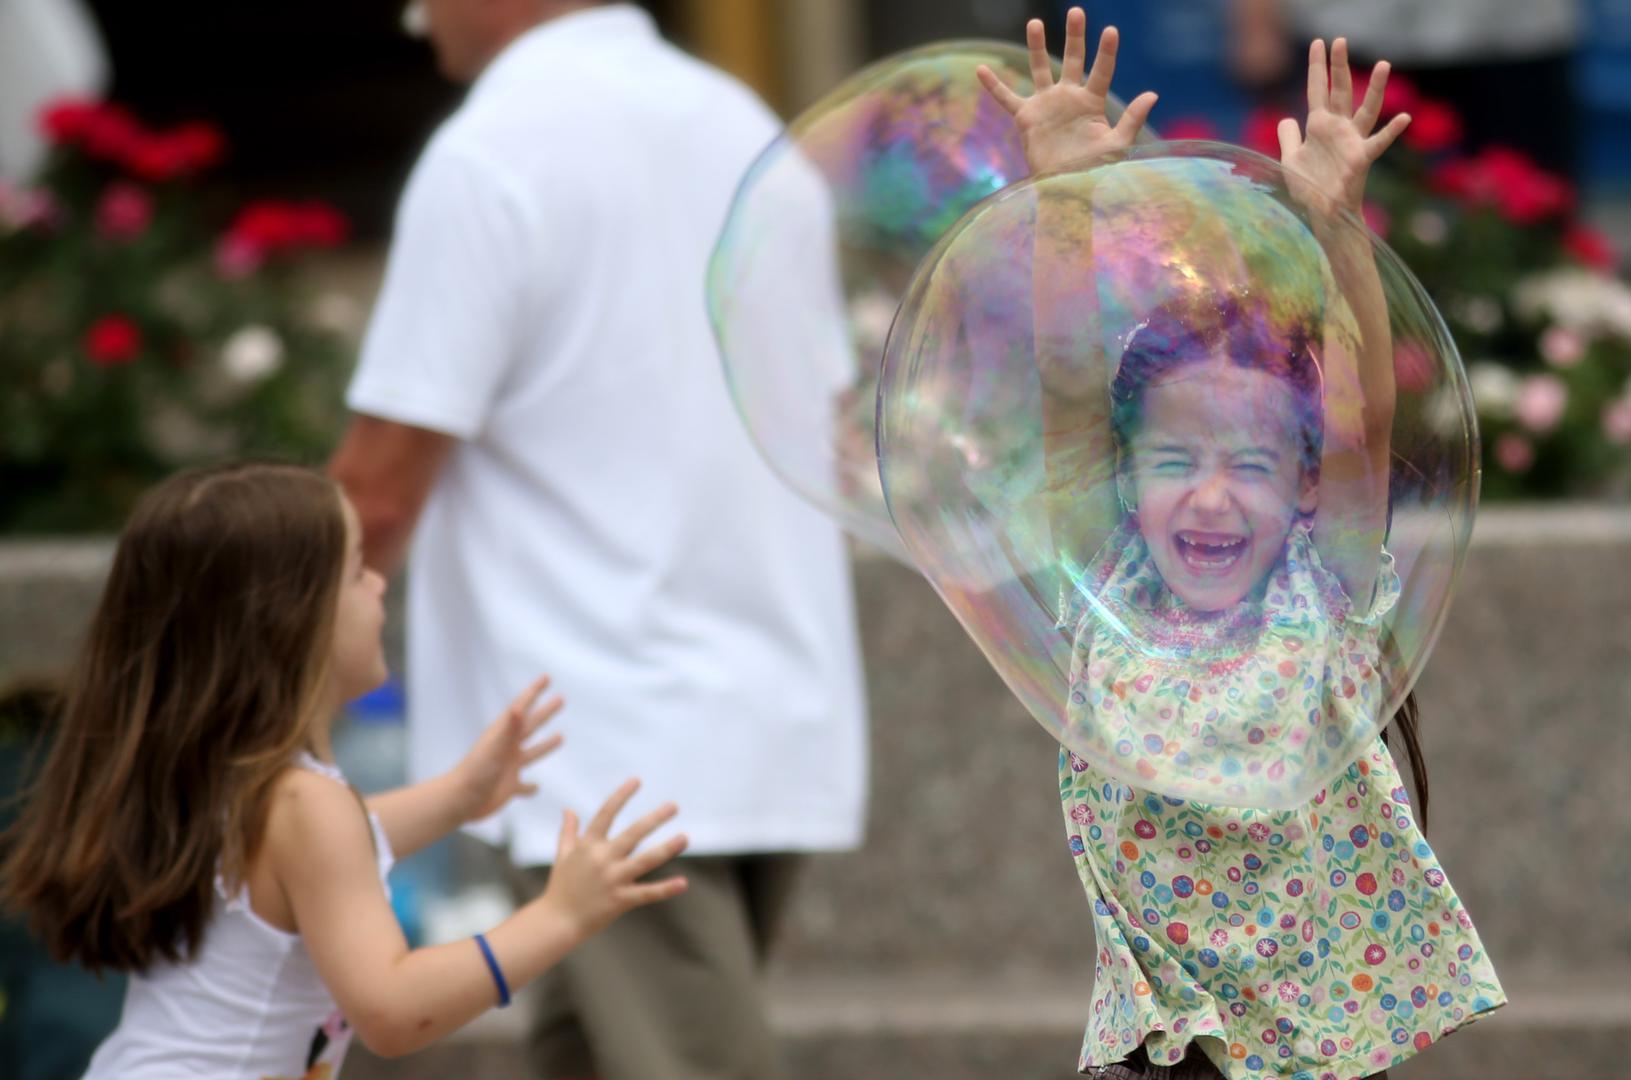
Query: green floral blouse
[1318,943]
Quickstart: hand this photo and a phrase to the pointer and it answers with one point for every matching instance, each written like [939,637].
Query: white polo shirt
[604,517]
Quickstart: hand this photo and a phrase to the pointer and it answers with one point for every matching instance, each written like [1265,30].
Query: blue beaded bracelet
[498,972]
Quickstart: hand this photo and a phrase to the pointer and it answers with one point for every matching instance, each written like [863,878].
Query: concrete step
[951,1026]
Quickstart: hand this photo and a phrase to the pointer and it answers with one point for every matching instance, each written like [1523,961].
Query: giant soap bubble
[820,242]
[1194,464]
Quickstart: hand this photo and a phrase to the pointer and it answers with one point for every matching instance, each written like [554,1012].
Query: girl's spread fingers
[640,895]
[544,713]
[601,825]
[999,90]
[1319,86]
[1291,137]
[644,863]
[1136,115]
[543,749]
[1370,109]
[630,838]
[1376,144]
[1104,63]
[1342,83]
[1037,46]
[1075,58]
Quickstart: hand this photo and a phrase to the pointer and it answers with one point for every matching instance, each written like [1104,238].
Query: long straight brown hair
[198,683]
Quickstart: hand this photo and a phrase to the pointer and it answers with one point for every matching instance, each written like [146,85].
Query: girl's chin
[1208,601]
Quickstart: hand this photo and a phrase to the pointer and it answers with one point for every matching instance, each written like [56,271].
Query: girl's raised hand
[596,875]
[1329,162]
[1065,121]
[490,774]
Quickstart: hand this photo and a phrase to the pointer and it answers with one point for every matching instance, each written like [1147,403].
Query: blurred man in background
[539,394]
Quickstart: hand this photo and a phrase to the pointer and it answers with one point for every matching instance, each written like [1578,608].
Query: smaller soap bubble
[820,242]
[1191,457]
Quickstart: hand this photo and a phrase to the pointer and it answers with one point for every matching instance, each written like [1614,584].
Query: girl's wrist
[464,794]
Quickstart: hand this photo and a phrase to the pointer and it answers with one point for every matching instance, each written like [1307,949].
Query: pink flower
[1434,126]
[1219,938]
[1541,402]
[1081,815]
[1377,219]
[1290,991]
[1178,932]
[26,208]
[124,212]
[1617,422]
[1412,366]
[236,258]
[1514,453]
[1562,347]
[1375,954]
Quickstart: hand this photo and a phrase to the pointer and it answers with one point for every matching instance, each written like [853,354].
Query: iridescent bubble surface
[1191,457]
[820,242]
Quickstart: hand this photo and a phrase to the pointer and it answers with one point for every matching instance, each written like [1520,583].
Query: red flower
[1519,190]
[1591,248]
[271,227]
[1261,132]
[112,134]
[105,131]
[124,212]
[1434,126]
[65,120]
[181,151]
[113,340]
[1399,96]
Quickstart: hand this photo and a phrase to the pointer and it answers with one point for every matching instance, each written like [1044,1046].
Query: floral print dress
[1318,943]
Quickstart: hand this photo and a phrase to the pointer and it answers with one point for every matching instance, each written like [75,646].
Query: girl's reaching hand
[1329,162]
[490,774]
[596,875]
[1065,121]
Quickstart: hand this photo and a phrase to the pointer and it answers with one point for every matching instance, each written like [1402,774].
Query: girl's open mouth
[1209,553]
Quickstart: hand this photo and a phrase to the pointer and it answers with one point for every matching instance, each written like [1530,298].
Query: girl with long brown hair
[189,826]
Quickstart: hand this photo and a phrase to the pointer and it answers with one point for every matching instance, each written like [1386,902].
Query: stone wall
[957,942]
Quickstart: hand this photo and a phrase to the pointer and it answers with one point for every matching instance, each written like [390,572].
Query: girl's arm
[1327,166]
[489,776]
[1064,123]
[397,999]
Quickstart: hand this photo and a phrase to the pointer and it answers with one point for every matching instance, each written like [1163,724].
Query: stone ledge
[955,1025]
[1566,523]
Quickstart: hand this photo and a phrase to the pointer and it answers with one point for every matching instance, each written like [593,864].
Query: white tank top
[249,1005]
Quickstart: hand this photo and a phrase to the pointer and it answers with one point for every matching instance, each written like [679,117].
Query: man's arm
[387,470]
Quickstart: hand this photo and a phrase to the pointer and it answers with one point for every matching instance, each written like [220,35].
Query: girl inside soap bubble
[1220,514]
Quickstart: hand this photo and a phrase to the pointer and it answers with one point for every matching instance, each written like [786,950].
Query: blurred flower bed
[1533,297]
[145,325]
